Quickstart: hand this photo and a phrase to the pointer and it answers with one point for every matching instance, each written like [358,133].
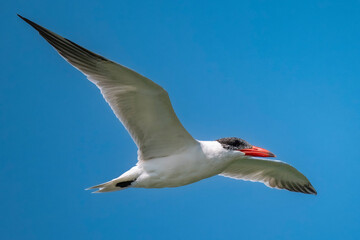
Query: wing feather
[141,105]
[274,174]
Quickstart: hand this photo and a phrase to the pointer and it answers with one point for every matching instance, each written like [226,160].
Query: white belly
[177,170]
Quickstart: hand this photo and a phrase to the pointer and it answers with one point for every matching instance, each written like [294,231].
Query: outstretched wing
[141,105]
[273,174]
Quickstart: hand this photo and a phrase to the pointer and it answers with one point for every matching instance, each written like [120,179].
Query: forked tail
[120,183]
[111,186]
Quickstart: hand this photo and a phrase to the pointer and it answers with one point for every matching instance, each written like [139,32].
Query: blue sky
[283,75]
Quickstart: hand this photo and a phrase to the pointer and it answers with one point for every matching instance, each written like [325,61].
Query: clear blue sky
[284,75]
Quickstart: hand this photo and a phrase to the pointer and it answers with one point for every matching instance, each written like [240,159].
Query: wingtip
[25,19]
[311,189]
[21,17]
[31,23]
[314,191]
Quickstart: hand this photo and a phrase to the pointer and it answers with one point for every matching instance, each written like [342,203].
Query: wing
[141,105]
[273,174]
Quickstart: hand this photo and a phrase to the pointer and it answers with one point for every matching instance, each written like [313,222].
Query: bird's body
[168,155]
[203,160]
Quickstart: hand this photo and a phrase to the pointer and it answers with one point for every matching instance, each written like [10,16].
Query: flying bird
[168,156]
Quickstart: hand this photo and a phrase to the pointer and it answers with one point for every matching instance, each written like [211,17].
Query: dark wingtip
[21,17]
[31,23]
[311,189]
[26,20]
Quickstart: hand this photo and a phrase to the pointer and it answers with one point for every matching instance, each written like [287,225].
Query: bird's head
[238,144]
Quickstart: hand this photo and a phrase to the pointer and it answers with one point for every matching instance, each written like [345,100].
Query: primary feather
[141,105]
[275,174]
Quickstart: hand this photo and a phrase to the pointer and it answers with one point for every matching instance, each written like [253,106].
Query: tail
[111,186]
[120,183]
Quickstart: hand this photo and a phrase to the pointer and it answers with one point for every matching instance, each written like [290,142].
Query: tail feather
[97,186]
[111,186]
[120,183]
[105,187]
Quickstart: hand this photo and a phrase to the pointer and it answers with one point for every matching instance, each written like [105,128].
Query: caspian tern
[168,156]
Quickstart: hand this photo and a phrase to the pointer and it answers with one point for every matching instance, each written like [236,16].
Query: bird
[168,156]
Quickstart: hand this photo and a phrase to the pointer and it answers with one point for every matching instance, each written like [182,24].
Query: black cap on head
[233,143]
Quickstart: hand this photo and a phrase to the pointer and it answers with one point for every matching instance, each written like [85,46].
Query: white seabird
[168,156]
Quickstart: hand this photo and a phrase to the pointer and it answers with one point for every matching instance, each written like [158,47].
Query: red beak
[257,152]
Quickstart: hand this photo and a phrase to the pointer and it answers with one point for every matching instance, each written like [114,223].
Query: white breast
[204,160]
